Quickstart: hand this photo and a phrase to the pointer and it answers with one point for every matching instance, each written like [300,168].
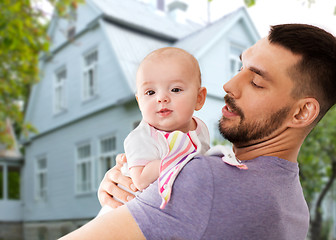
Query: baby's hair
[173,51]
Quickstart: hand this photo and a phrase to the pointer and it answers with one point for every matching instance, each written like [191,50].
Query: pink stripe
[181,153]
[191,140]
[162,189]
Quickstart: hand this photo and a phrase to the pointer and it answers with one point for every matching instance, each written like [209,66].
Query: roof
[10,152]
[130,48]
[196,42]
[143,17]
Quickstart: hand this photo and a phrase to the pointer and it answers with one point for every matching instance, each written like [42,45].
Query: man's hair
[315,73]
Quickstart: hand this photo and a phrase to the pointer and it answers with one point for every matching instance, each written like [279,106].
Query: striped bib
[181,150]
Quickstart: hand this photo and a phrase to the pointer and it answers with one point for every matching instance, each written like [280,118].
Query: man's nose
[235,85]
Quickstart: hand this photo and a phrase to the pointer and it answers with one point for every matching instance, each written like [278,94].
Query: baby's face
[167,92]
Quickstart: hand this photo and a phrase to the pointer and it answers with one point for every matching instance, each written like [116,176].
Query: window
[107,156]
[90,75]
[13,182]
[41,178]
[59,91]
[235,63]
[72,17]
[1,182]
[71,32]
[83,169]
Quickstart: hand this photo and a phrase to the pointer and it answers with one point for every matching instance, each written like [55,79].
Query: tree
[23,37]
[317,160]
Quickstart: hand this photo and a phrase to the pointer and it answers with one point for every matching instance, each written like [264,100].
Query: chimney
[160,5]
[177,10]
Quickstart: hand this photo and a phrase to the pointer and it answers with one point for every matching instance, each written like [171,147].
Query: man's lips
[231,109]
[228,112]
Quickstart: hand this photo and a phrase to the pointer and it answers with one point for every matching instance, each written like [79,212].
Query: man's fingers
[109,186]
[116,176]
[121,159]
[106,199]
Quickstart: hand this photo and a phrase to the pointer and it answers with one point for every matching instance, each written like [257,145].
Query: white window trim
[37,189]
[86,96]
[88,160]
[4,182]
[59,104]
[237,62]
[111,154]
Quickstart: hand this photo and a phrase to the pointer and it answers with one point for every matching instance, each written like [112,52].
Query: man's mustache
[233,106]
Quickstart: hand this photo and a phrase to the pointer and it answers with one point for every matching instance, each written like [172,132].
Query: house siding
[111,84]
[59,148]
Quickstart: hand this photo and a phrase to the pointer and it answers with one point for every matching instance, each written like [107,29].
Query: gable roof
[130,48]
[198,42]
[131,45]
[140,16]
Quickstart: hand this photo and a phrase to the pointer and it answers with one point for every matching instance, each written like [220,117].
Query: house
[84,105]
[11,204]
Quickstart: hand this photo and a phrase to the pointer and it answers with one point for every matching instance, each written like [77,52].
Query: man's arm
[116,224]
[109,188]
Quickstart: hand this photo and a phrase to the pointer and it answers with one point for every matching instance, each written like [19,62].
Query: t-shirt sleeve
[140,148]
[187,214]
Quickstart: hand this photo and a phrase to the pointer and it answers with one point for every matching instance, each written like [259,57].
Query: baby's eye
[176,90]
[149,92]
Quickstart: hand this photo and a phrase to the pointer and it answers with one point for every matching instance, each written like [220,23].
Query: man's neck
[285,145]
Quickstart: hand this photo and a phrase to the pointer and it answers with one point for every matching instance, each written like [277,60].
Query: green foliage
[249,3]
[317,155]
[23,37]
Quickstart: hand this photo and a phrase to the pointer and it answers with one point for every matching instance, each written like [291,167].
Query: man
[286,85]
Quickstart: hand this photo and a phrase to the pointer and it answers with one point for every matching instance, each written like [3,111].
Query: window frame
[86,187]
[90,84]
[41,192]
[101,170]
[59,91]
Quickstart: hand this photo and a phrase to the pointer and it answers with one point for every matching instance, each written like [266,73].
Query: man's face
[258,100]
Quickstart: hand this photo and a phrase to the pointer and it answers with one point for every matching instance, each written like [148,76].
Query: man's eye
[255,85]
[149,92]
[176,90]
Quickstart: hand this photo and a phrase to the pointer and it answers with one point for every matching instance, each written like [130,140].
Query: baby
[169,90]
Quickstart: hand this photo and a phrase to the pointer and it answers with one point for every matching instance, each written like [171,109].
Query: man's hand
[108,187]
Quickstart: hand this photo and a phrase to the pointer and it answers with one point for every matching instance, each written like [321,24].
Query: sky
[271,12]
[264,13]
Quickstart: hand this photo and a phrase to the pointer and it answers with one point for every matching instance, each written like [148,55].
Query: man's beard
[246,132]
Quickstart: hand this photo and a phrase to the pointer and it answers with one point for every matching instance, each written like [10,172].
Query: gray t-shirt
[213,200]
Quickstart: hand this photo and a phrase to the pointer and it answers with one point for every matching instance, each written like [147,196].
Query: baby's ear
[306,112]
[202,92]
[136,97]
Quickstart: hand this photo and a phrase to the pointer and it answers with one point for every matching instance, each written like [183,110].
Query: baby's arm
[142,176]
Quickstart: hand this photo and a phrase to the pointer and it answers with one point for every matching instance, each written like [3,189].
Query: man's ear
[202,92]
[306,112]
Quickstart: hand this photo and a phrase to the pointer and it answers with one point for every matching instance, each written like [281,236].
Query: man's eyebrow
[257,71]
[260,72]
